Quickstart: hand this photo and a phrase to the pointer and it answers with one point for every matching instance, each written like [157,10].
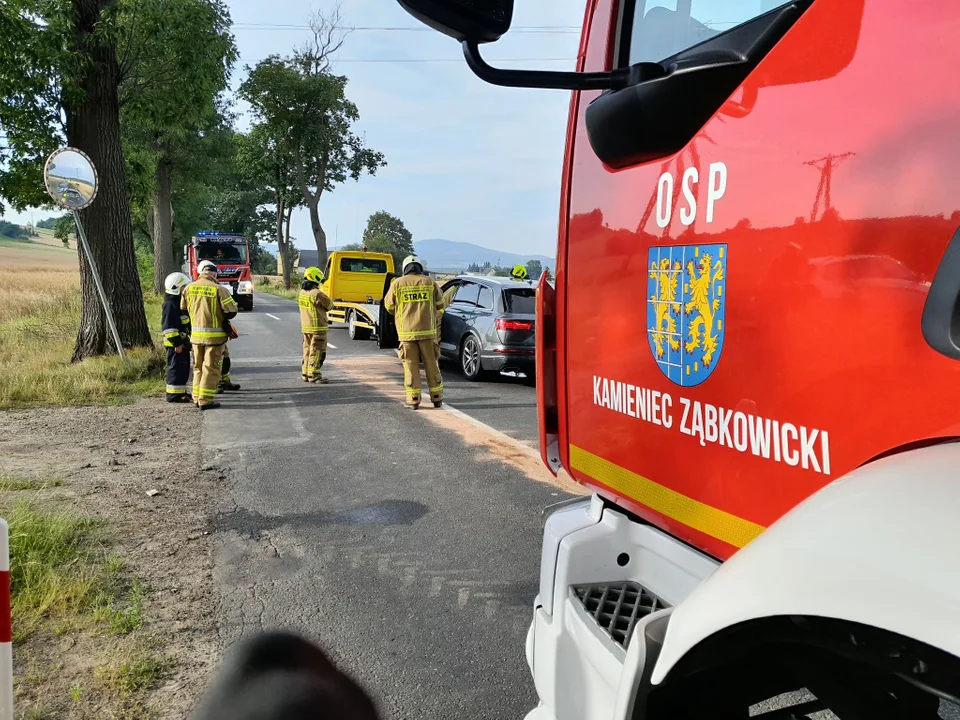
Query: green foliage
[48,223]
[534,269]
[305,121]
[501,271]
[13,231]
[63,227]
[263,262]
[387,233]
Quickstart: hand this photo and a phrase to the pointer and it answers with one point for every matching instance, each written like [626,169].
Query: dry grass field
[39,319]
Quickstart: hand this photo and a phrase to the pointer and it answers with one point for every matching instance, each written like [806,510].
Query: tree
[534,269]
[389,234]
[48,223]
[265,162]
[177,61]
[500,271]
[63,228]
[474,268]
[61,77]
[308,117]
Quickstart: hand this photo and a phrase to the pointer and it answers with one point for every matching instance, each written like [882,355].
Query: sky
[466,161]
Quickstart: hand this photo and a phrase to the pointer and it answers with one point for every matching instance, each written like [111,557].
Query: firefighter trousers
[411,353]
[207,363]
[314,354]
[178,372]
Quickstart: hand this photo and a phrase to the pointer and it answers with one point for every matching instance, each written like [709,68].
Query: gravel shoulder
[137,471]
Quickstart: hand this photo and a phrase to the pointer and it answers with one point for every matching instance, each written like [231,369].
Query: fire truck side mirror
[464,20]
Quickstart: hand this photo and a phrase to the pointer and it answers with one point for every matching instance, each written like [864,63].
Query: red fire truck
[231,253]
[750,358]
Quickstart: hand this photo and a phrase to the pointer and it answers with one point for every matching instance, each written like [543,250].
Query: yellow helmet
[313,274]
[519,272]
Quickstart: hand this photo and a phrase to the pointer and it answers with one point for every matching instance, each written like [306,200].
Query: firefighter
[210,305]
[314,304]
[416,301]
[175,324]
[519,273]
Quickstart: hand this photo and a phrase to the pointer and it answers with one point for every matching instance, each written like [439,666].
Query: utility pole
[826,166]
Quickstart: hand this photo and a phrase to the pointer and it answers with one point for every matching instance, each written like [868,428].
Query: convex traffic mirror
[71,179]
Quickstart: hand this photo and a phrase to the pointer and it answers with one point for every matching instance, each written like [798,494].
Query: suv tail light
[514,325]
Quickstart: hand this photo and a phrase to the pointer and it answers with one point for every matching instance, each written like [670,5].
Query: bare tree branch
[329,35]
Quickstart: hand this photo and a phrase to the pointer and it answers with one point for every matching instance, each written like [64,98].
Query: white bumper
[579,671]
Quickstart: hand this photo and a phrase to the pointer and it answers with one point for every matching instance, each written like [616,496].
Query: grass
[54,572]
[39,319]
[140,671]
[14,484]
[274,286]
[63,585]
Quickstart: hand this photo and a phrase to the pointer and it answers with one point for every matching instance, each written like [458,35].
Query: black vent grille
[617,606]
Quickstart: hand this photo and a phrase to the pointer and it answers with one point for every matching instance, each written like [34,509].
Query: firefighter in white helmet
[417,301]
[175,325]
[210,305]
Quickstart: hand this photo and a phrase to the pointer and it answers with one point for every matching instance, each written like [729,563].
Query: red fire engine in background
[751,358]
[231,253]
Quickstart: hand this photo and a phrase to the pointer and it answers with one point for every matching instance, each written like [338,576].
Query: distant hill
[450,255]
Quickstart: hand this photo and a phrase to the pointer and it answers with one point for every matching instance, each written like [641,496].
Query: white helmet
[409,262]
[175,282]
[207,266]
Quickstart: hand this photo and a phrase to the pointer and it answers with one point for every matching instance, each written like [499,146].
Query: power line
[399,61]
[544,29]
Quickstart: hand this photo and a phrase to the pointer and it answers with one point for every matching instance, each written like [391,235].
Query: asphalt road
[387,537]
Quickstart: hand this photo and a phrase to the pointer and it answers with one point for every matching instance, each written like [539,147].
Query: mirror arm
[545,79]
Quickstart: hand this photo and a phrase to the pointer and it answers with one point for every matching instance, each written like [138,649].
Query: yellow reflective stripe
[176,389]
[417,334]
[315,328]
[213,334]
[171,333]
[438,388]
[707,519]
[205,393]
[205,291]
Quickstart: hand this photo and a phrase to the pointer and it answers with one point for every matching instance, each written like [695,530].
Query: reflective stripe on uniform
[438,388]
[315,328]
[206,392]
[176,389]
[417,335]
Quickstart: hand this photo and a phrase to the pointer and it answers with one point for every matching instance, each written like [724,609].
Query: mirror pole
[96,281]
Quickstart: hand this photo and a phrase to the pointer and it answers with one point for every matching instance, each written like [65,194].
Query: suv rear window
[522,301]
[364,265]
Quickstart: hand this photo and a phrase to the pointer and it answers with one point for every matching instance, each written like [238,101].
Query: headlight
[245,287]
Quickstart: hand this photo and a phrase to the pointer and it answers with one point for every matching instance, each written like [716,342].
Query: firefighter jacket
[209,305]
[174,322]
[314,304]
[416,301]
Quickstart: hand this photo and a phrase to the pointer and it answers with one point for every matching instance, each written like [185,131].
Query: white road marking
[273,316]
[332,346]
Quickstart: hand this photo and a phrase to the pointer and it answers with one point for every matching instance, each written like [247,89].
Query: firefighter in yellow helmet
[519,273]
[416,301]
[209,305]
[175,324]
[314,304]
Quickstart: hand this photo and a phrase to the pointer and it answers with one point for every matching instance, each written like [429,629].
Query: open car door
[387,327]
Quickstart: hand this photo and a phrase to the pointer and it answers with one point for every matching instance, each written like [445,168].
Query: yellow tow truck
[356,281]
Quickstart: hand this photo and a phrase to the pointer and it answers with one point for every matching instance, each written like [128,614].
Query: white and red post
[6,628]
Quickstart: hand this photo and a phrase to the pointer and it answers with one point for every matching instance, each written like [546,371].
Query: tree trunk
[283,254]
[163,263]
[319,236]
[288,248]
[93,126]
